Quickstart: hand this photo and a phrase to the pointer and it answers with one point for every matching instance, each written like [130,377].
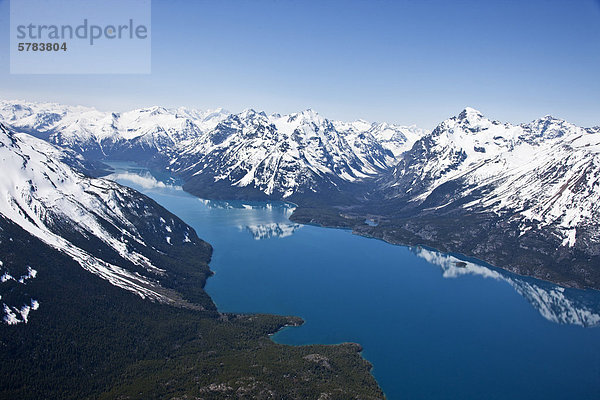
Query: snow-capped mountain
[532,187]
[267,155]
[112,231]
[130,135]
[546,172]
[538,185]
[395,138]
[281,156]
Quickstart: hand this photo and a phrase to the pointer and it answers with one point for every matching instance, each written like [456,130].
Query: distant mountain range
[261,155]
[523,197]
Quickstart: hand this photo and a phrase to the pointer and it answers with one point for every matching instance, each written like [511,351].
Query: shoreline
[487,264]
[458,254]
[292,321]
[352,225]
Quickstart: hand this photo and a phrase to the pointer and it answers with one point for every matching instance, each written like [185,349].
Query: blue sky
[398,61]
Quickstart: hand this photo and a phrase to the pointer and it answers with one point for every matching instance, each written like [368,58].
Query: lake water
[434,326]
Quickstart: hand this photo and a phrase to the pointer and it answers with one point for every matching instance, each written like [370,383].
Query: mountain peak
[308,115]
[309,112]
[216,113]
[470,114]
[311,115]
[248,112]
[156,110]
[550,127]
[550,118]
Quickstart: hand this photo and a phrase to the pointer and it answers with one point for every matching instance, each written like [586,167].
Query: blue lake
[434,327]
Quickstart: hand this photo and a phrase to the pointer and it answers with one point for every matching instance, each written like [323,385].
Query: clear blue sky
[398,61]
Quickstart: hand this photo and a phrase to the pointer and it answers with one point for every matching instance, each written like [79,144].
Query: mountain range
[523,197]
[263,156]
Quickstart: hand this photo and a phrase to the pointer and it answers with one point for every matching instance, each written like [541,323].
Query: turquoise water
[433,327]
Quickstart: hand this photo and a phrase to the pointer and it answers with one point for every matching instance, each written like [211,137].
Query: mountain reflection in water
[555,303]
[272,230]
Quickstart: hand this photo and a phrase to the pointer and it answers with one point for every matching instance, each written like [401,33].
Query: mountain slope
[112,231]
[524,197]
[89,339]
[280,156]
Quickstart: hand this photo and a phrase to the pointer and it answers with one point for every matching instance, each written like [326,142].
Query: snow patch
[31,274]
[14,315]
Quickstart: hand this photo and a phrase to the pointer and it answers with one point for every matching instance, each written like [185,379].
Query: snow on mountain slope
[545,173]
[395,138]
[83,217]
[285,155]
[558,186]
[456,146]
[16,312]
[165,130]
[100,134]
[275,155]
